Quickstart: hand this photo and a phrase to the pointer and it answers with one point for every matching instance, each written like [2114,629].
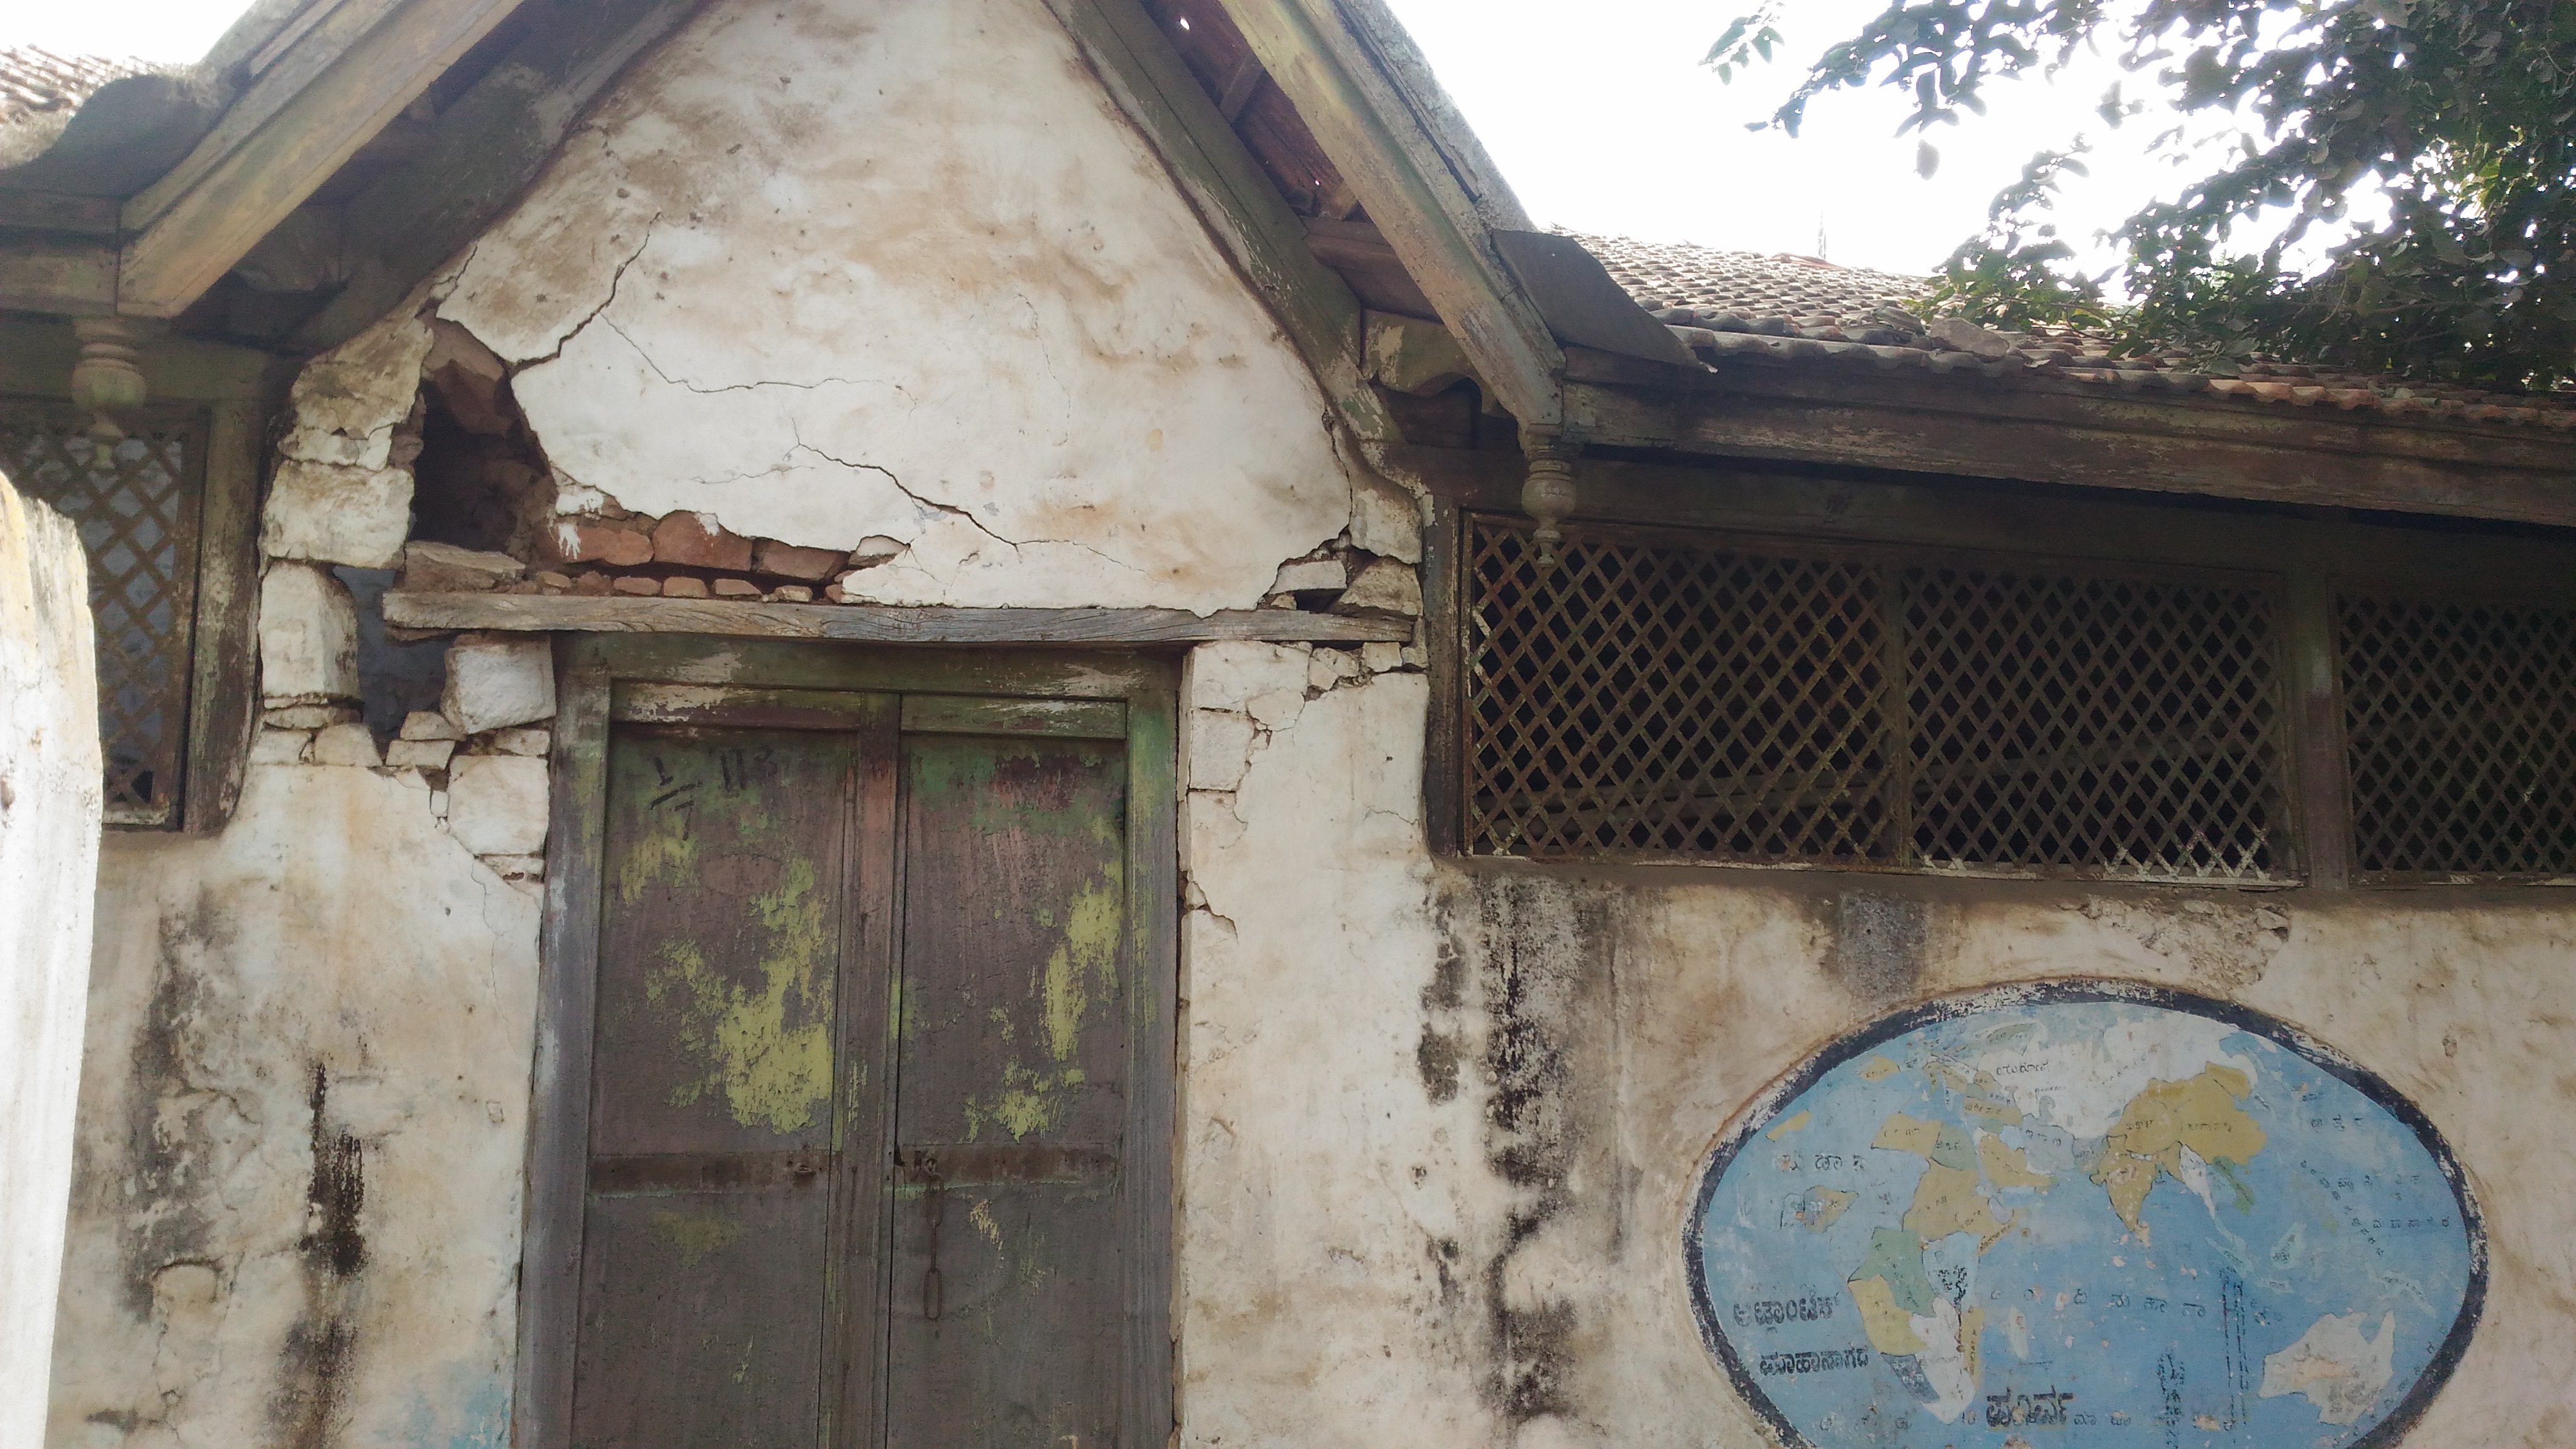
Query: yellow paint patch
[1792,1125]
[1879,1070]
[1084,966]
[981,1215]
[768,1047]
[697,1236]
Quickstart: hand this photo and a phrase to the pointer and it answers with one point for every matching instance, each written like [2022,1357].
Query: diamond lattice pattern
[1680,695]
[135,506]
[2460,732]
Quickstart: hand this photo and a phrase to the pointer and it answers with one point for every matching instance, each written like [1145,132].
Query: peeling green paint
[1030,1102]
[767,1048]
[697,1236]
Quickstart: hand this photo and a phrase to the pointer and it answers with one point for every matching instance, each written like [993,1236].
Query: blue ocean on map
[2059,1221]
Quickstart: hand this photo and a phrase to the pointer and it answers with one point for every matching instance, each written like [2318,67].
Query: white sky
[1603,119]
[157,30]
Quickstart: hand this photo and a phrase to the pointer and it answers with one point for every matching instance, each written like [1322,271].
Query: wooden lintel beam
[878,624]
[64,278]
[194,225]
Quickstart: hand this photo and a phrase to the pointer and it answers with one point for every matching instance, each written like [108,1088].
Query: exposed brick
[736,589]
[695,541]
[787,561]
[583,541]
[630,584]
[684,588]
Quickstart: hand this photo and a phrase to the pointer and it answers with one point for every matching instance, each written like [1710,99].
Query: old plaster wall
[887,297]
[50,799]
[1442,1123]
[835,270]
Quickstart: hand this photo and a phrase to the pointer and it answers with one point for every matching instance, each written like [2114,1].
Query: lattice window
[2460,732]
[136,507]
[1681,695]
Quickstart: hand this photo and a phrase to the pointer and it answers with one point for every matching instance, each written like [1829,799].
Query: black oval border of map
[1766,1106]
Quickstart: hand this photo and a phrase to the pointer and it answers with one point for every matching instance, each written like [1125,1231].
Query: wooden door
[860,1082]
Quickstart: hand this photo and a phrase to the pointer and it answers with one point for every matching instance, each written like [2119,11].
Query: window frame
[2309,554]
[234,393]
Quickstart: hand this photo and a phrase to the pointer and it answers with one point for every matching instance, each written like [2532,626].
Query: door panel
[1024,1352]
[1014,1020]
[860,1039]
[702,1323]
[720,946]
[1005,1329]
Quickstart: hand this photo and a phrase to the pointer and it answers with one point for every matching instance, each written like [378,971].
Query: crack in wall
[615,280]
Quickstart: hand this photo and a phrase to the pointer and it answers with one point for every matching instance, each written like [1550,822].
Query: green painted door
[859,1077]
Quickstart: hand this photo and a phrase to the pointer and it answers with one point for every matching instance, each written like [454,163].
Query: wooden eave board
[2041,430]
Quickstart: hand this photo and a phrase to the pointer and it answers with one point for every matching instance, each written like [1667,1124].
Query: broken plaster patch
[998,335]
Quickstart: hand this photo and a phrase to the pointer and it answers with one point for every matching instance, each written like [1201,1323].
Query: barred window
[2460,736]
[1679,695]
[136,506]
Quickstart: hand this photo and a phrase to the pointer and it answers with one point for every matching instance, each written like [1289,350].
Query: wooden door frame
[589,668]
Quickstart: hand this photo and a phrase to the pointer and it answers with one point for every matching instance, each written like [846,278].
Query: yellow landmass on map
[2201,1114]
[1946,1201]
[1792,1125]
[1901,1133]
[1825,1206]
[1879,1070]
[1885,1323]
[2008,1166]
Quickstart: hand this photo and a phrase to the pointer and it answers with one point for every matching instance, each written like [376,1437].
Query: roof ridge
[35,80]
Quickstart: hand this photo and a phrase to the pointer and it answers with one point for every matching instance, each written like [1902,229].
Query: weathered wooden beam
[2023,434]
[1376,112]
[57,211]
[64,278]
[283,139]
[1231,194]
[878,624]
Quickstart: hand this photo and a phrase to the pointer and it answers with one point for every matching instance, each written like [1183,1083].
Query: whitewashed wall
[828,269]
[822,269]
[50,797]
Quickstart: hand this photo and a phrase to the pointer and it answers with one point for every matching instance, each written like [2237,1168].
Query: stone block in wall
[787,561]
[1219,744]
[1379,656]
[279,747]
[1231,674]
[534,742]
[345,744]
[496,804]
[694,540]
[308,637]
[349,401]
[429,724]
[419,754]
[308,717]
[333,513]
[1314,575]
[1386,519]
[494,682]
[443,568]
[1383,587]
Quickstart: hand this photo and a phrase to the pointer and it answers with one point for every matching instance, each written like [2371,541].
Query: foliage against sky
[2451,123]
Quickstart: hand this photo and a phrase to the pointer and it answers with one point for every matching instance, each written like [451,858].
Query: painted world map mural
[2083,1214]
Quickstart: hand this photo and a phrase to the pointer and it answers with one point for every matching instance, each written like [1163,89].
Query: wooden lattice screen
[1681,695]
[136,506]
[2460,727]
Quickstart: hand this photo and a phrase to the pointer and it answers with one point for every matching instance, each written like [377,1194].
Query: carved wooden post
[1549,494]
[106,380]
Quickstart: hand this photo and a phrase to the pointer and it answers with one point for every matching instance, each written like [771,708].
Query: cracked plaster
[332,925]
[937,290]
